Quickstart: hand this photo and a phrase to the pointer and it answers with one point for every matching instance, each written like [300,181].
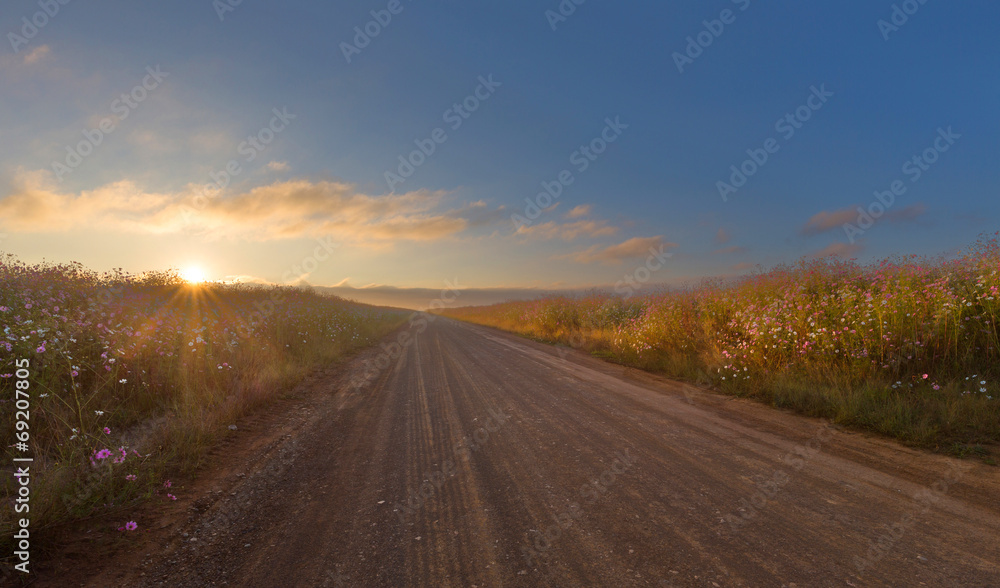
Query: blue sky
[133,202]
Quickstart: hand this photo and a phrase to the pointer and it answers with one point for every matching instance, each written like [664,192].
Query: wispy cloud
[37,54]
[825,221]
[722,237]
[579,211]
[568,231]
[278,166]
[841,250]
[279,210]
[34,205]
[907,214]
[635,247]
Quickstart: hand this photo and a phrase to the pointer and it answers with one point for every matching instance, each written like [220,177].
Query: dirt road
[480,459]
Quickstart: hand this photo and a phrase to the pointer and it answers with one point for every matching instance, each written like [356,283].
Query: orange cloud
[568,231]
[825,221]
[841,250]
[579,211]
[36,55]
[635,247]
[279,210]
[34,204]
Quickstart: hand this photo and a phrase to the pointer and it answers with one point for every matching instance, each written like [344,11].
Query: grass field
[906,347]
[127,380]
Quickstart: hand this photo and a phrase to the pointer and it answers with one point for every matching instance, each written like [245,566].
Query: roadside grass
[906,347]
[133,378]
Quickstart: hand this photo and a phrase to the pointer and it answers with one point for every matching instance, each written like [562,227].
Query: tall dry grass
[133,377]
[906,347]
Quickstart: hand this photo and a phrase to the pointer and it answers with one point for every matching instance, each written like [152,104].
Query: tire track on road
[334,518]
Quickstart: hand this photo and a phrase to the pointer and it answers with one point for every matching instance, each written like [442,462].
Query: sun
[193,275]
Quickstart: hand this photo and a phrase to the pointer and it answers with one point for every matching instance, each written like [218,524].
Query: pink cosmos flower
[130,477]
[131,526]
[107,431]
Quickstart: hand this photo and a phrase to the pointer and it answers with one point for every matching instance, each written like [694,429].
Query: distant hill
[421,298]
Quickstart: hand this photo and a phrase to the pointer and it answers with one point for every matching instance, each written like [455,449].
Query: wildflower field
[906,347]
[130,378]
